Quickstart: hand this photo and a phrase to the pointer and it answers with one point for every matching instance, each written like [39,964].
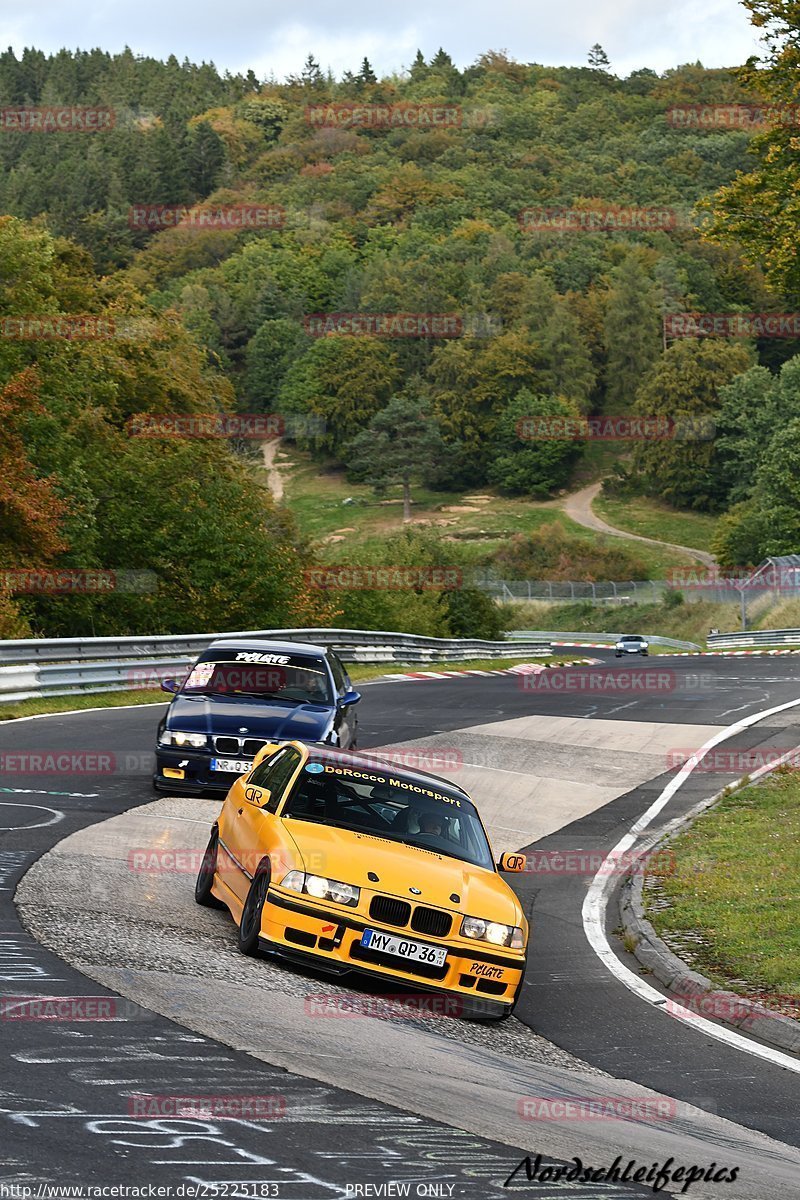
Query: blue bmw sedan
[239,695]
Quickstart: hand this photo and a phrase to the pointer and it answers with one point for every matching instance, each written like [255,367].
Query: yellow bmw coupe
[327,858]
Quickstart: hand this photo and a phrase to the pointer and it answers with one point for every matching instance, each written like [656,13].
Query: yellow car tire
[205,876]
[250,924]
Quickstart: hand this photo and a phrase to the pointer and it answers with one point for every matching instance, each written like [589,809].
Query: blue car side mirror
[351,697]
[170,685]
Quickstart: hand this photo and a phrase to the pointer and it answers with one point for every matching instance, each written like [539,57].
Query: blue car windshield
[304,681]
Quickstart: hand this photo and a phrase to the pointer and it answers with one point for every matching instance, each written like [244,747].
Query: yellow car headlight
[494,932]
[322,889]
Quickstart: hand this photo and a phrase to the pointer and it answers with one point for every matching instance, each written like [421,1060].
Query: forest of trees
[409,219]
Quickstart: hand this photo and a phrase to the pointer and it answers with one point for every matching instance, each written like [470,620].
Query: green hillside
[440,195]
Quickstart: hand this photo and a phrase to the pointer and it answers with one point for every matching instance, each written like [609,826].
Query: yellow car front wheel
[250,924]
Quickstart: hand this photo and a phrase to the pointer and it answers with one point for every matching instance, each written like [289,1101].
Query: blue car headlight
[176,737]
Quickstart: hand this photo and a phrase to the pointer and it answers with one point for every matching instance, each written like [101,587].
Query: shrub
[552,553]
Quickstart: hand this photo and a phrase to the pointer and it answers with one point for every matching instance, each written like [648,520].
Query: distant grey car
[631,643]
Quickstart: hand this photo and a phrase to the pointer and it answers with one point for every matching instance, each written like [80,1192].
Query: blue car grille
[238,747]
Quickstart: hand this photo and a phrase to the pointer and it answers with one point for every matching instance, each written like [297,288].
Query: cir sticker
[314,768]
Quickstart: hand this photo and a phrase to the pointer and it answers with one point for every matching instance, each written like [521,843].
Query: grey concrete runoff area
[140,934]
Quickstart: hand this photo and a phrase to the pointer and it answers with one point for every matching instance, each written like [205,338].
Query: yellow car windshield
[401,809]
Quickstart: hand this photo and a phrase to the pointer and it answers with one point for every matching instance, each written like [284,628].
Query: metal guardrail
[761,637]
[74,666]
[606,638]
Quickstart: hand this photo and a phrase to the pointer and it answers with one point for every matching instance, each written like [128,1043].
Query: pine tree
[419,68]
[598,59]
[366,74]
[311,75]
[632,332]
[402,444]
[441,60]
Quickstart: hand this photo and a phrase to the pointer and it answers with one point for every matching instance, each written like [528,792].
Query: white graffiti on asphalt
[55,814]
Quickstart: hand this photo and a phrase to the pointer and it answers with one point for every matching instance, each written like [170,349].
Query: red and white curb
[728,653]
[520,669]
[588,645]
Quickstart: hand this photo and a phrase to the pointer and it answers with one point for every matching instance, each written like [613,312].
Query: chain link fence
[563,592]
[756,599]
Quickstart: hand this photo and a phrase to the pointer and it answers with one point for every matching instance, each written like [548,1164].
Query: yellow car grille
[391,911]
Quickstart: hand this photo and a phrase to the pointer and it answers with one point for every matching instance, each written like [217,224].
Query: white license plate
[232,766]
[418,951]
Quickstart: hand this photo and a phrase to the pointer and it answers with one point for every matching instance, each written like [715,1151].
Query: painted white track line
[594,906]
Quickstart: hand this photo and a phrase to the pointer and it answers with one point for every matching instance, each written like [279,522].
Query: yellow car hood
[347,856]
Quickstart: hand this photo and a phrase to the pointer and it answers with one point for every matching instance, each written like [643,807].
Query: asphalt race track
[367,1101]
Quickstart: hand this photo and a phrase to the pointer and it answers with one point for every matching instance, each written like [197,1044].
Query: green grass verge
[733,903]
[57,704]
[688,622]
[684,622]
[650,519]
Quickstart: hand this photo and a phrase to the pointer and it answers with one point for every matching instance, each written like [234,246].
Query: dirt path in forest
[578,507]
[269,450]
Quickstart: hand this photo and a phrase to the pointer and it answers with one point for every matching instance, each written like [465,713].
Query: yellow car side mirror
[512,862]
[258,796]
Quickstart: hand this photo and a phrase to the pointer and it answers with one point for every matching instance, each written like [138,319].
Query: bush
[551,553]
[473,614]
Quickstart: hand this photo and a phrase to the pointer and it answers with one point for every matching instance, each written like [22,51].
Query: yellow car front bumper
[490,978]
